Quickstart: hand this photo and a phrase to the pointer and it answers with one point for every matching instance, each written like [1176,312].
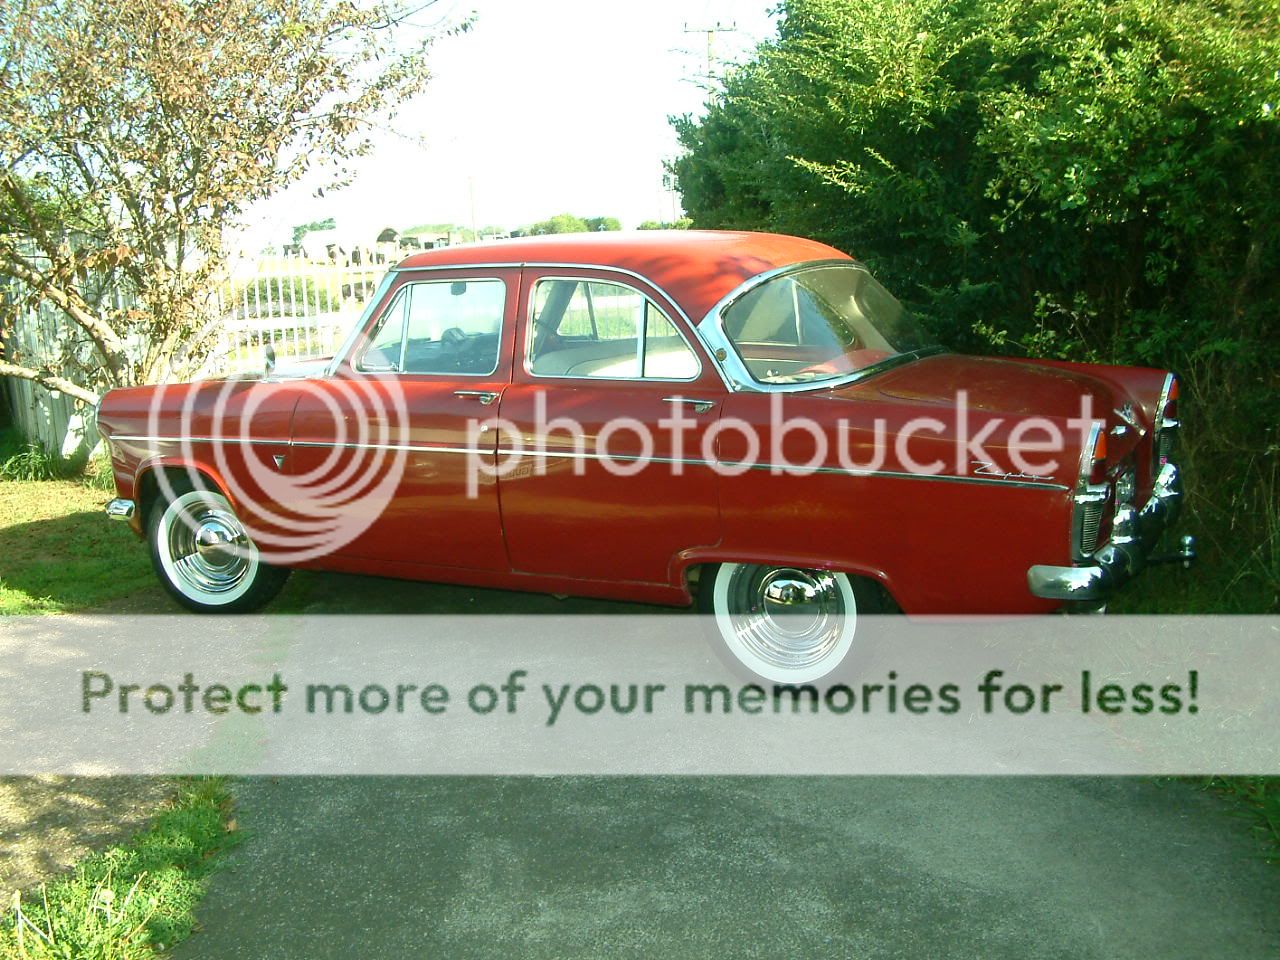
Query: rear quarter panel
[938,544]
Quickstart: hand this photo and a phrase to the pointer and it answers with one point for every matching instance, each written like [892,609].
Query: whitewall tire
[204,556]
[783,625]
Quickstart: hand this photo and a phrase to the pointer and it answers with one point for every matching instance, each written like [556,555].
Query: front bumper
[1133,536]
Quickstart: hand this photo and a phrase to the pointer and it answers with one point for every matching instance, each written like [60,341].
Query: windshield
[820,323]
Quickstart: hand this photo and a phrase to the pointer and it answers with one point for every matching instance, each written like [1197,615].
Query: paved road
[859,868]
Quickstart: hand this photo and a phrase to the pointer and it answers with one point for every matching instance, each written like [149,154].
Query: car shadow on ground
[81,561]
[69,562]
[339,593]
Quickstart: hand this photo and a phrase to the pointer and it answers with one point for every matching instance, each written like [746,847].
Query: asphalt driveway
[863,868]
[680,867]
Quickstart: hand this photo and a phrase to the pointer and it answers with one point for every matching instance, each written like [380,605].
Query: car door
[395,425]
[597,481]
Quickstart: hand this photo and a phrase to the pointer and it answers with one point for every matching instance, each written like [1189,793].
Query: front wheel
[204,557]
[784,625]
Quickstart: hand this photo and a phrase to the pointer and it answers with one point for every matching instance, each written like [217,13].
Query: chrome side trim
[120,509]
[424,447]
[784,469]
[557,265]
[789,470]
[154,439]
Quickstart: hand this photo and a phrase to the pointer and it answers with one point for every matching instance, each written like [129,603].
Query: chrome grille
[1090,519]
[1164,447]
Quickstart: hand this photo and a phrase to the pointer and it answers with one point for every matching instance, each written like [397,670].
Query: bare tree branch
[50,380]
[109,345]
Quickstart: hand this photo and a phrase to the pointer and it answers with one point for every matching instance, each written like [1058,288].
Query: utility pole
[711,32]
[471,189]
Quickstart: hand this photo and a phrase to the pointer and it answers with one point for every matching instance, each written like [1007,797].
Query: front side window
[819,323]
[602,330]
[440,326]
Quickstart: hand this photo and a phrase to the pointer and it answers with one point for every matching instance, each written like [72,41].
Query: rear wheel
[784,625]
[204,556]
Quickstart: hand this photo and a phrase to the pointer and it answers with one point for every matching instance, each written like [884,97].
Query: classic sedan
[744,420]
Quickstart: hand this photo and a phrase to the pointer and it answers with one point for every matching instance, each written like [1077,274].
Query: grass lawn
[59,552]
[133,898]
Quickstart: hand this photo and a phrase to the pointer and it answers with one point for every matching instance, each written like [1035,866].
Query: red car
[748,419]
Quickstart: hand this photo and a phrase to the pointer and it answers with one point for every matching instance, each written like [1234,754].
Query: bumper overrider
[120,509]
[1134,533]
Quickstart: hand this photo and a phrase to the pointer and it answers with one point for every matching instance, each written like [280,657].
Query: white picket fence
[301,307]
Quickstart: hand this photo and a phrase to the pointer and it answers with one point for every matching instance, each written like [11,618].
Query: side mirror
[268,359]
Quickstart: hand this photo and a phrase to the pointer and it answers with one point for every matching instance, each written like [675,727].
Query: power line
[711,32]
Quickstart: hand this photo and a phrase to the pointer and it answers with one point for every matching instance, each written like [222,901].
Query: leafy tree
[1045,173]
[560,223]
[568,223]
[684,223]
[133,132]
[1088,179]
[302,229]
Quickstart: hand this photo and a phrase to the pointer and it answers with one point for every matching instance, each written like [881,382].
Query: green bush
[32,462]
[98,472]
[28,460]
[295,296]
[1079,179]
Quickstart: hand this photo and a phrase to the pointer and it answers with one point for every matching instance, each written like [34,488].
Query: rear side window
[440,326]
[602,330]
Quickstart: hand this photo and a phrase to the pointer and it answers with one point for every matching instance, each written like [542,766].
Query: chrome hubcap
[209,547]
[789,618]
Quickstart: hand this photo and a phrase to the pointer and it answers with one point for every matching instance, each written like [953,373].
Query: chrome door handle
[699,406]
[484,396]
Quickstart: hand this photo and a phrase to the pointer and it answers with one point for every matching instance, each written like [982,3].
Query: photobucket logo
[961,443]
[241,432]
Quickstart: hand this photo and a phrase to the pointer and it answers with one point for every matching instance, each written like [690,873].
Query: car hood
[295,369]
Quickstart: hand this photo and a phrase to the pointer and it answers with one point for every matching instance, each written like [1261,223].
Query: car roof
[695,267]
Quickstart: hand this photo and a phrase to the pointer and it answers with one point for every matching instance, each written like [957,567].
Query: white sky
[544,107]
